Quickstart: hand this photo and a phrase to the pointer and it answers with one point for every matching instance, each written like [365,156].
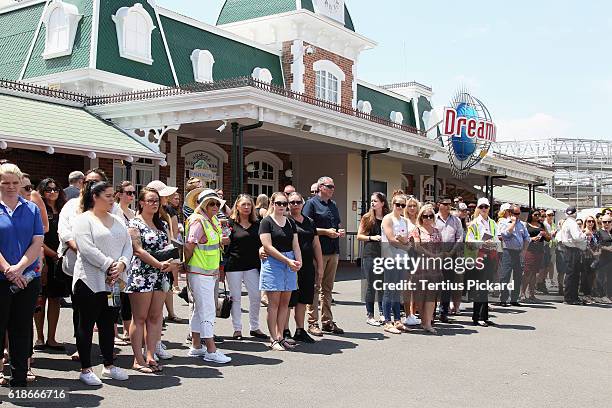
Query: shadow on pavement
[325,346]
[363,335]
[513,327]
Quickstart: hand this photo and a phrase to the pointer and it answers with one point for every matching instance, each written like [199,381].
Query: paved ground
[541,355]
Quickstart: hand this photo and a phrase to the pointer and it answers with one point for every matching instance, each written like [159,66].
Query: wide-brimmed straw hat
[201,195]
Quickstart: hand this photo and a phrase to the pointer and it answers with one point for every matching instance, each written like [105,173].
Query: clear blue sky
[542,67]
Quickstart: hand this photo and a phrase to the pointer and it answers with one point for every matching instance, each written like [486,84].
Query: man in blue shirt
[324,212]
[21,238]
[515,239]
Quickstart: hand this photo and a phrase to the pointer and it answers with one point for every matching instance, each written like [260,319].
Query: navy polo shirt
[17,232]
[325,215]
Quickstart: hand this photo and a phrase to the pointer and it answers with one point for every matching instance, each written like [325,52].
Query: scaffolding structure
[582,167]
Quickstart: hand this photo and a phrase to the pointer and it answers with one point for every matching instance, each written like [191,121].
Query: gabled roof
[242,10]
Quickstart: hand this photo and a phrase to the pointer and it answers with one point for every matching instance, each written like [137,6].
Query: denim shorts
[275,275]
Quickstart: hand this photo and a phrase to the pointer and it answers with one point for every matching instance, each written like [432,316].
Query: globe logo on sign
[469,130]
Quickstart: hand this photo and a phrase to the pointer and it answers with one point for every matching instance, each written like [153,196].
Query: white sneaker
[381,319]
[90,378]
[411,320]
[161,352]
[114,373]
[373,322]
[194,352]
[161,343]
[217,357]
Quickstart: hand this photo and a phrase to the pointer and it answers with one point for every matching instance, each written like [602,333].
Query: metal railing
[406,85]
[164,92]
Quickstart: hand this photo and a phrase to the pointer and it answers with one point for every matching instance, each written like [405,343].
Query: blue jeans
[391,298]
[370,294]
[511,266]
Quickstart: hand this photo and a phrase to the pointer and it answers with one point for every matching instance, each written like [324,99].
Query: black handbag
[224,304]
[166,254]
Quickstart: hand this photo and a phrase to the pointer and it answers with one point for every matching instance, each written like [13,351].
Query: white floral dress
[142,277]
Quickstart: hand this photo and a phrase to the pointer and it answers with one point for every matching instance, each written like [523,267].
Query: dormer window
[262,74]
[134,27]
[396,117]
[203,62]
[365,107]
[328,78]
[61,22]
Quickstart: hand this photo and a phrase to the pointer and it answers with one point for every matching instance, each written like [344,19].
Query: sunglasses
[129,192]
[429,217]
[152,202]
[444,203]
[313,191]
[330,186]
[51,190]
[398,205]
[606,222]
[590,221]
[516,213]
[28,188]
[483,207]
[213,204]
[280,203]
[295,203]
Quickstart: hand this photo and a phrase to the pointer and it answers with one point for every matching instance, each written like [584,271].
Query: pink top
[196,233]
[426,236]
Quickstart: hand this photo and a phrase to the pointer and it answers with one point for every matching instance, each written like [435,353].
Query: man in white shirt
[574,242]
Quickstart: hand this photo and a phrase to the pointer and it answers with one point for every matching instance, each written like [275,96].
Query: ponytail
[91,189]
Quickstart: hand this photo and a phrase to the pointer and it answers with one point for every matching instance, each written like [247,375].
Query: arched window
[262,74]
[396,117]
[262,169]
[134,27]
[328,81]
[202,61]
[61,22]
[365,107]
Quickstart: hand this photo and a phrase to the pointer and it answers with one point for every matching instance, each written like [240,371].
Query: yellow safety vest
[473,235]
[206,257]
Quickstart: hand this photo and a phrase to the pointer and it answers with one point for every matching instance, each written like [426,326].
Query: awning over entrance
[49,125]
[519,195]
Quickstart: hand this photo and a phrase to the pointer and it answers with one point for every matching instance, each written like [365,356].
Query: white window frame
[272,160]
[262,74]
[123,24]
[327,73]
[68,19]
[396,117]
[365,107]
[202,61]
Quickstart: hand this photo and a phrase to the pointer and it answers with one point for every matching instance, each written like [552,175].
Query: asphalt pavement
[540,355]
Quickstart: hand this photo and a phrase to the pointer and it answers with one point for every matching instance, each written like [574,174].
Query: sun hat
[162,188]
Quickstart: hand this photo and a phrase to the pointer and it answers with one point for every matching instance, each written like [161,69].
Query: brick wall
[345,64]
[41,165]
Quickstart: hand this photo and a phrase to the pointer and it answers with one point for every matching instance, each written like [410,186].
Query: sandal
[430,330]
[40,345]
[143,369]
[174,319]
[120,342]
[156,368]
[286,344]
[30,377]
[237,335]
[3,381]
[75,356]
[276,345]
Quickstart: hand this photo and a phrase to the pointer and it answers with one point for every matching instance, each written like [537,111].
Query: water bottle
[114,297]
[29,277]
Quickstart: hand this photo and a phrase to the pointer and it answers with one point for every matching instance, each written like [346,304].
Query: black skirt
[306,286]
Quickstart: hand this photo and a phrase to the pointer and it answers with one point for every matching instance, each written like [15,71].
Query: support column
[364,188]
[234,158]
[435,183]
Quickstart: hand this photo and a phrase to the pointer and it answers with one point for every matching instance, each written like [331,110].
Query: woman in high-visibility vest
[202,252]
[482,231]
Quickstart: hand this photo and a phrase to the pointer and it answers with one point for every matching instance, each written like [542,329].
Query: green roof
[383,104]
[232,58]
[18,28]
[520,195]
[108,58]
[242,10]
[41,123]
[37,66]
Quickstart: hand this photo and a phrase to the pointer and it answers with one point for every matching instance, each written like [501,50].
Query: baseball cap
[505,207]
[462,206]
[75,175]
[444,200]
[162,188]
[551,212]
[570,210]
[483,201]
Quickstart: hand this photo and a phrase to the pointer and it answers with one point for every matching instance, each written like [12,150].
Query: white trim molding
[212,148]
[61,22]
[268,157]
[297,66]
[202,61]
[327,65]
[126,22]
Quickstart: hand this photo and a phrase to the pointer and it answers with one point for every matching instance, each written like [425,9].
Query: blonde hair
[426,207]
[272,199]
[413,200]
[10,168]
[262,201]
[235,216]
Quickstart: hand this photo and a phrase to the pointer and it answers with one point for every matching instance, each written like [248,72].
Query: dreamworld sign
[469,130]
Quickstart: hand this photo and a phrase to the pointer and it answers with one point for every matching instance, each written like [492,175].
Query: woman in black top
[369,233]
[243,264]
[310,248]
[278,278]
[533,255]
[55,286]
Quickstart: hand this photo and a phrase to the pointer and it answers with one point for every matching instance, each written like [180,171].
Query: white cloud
[536,127]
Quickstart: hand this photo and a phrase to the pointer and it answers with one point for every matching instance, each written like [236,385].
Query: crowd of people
[118,254]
